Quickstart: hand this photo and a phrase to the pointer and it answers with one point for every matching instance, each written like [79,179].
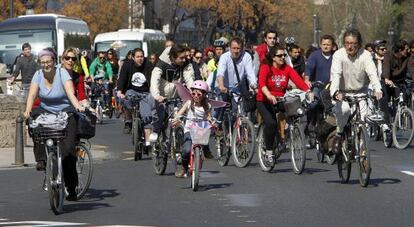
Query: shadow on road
[208,187]
[83,206]
[372,182]
[99,194]
[305,171]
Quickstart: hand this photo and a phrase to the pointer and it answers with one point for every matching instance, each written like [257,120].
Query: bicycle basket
[200,132]
[85,125]
[42,133]
[292,104]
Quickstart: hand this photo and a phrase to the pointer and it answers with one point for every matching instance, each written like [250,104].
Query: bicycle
[138,138]
[354,146]
[54,173]
[200,134]
[295,137]
[375,121]
[162,149]
[84,167]
[402,127]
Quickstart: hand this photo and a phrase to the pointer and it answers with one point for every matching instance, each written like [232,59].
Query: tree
[101,16]
[19,7]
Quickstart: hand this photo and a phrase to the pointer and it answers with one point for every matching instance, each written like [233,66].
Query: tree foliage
[19,7]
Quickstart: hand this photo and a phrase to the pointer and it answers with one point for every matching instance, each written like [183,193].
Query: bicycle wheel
[243,143]
[55,190]
[402,128]
[387,138]
[99,113]
[320,155]
[364,160]
[298,150]
[138,143]
[195,173]
[84,168]
[261,151]
[159,155]
[177,145]
[344,166]
[223,148]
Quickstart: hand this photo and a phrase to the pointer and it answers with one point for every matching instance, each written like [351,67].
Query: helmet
[222,42]
[290,40]
[200,85]
[379,42]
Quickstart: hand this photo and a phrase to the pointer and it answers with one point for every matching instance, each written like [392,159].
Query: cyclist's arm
[109,71]
[92,68]
[155,82]
[80,88]
[69,89]
[34,89]
[249,68]
[386,69]
[84,66]
[183,110]
[336,74]
[297,80]
[371,71]
[310,70]
[123,79]
[188,74]
[221,70]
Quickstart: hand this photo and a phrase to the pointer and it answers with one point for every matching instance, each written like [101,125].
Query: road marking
[128,159]
[40,223]
[234,211]
[242,216]
[250,221]
[408,173]
[4,219]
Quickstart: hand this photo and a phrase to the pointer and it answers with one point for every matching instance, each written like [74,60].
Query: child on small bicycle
[198,108]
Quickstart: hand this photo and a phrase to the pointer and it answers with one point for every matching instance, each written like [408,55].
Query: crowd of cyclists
[227,67]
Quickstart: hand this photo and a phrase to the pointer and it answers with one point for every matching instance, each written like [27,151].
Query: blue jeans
[146,104]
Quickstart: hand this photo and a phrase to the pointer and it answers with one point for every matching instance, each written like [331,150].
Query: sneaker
[337,144]
[207,153]
[41,166]
[181,172]
[127,128]
[269,156]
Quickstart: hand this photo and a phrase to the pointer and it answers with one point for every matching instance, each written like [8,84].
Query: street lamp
[316,30]
[391,34]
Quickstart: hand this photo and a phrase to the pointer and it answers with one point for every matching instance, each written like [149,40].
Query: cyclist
[318,69]
[270,40]
[198,108]
[380,48]
[351,72]
[273,83]
[170,68]
[54,87]
[101,67]
[410,64]
[220,46]
[114,62]
[134,81]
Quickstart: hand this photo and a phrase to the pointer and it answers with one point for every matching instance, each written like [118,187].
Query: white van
[41,31]
[124,40]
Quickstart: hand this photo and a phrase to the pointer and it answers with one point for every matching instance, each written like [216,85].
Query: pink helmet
[200,85]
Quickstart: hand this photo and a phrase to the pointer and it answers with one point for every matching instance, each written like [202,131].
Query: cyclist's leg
[270,123]
[38,148]
[185,156]
[342,113]
[127,110]
[146,106]
[69,158]
[158,116]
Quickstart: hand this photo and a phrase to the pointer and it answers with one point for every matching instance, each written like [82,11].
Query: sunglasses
[109,53]
[198,57]
[197,94]
[280,55]
[383,49]
[102,58]
[67,58]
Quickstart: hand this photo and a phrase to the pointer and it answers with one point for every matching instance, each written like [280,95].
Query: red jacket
[79,84]
[276,80]
[262,51]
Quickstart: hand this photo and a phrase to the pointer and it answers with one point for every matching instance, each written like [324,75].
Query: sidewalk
[7,156]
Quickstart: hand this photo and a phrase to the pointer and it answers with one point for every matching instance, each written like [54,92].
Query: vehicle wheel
[364,160]
[99,112]
[223,156]
[138,145]
[243,143]
[110,111]
[402,128]
[195,173]
[56,191]
[84,168]
[320,155]
[298,150]
[261,151]
[387,138]
[159,155]
[344,167]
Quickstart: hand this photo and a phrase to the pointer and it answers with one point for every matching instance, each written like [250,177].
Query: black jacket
[131,75]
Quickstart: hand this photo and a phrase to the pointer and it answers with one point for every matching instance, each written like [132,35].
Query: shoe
[41,166]
[71,197]
[269,156]
[181,173]
[127,128]
[146,149]
[337,144]
[153,137]
[207,153]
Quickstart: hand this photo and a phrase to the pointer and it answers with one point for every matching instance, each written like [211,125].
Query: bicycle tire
[242,155]
[405,119]
[224,143]
[138,142]
[298,149]
[320,155]
[84,168]
[55,192]
[344,167]
[99,113]
[387,138]
[364,159]
[110,110]
[159,155]
[261,151]
[195,173]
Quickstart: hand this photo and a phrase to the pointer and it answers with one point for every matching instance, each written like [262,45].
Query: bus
[124,40]
[41,31]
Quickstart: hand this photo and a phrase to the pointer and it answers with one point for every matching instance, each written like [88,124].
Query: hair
[26,45]
[293,46]
[271,54]
[197,51]
[176,50]
[238,40]
[270,31]
[137,50]
[102,52]
[355,33]
[399,45]
[369,45]
[53,52]
[70,49]
[310,50]
[114,54]
[327,37]
[204,101]
[129,54]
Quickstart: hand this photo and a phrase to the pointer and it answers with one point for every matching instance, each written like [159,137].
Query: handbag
[249,98]
[86,122]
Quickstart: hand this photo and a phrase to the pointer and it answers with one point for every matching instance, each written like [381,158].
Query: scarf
[49,75]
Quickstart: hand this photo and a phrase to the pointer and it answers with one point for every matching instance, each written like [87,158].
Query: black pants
[270,123]
[67,148]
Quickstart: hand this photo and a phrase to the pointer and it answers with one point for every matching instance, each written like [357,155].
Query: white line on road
[408,173]
[234,211]
[39,223]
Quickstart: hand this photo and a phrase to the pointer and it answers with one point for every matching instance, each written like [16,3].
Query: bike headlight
[299,111]
[49,142]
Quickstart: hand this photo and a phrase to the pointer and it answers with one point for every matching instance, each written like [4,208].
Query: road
[124,192]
